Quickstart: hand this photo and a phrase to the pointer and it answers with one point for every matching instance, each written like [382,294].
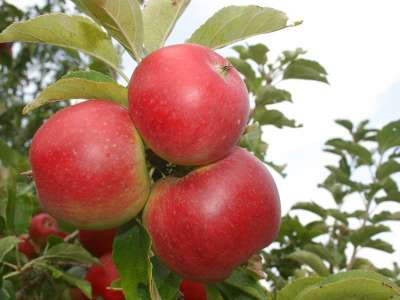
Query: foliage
[88,66]
[262,77]
[367,163]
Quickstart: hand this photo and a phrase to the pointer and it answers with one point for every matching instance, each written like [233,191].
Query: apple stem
[224,69]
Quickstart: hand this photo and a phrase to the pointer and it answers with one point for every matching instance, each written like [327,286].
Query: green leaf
[244,282]
[316,228]
[363,264]
[11,158]
[72,252]
[357,285]
[83,285]
[159,18]
[131,257]
[19,211]
[72,32]
[346,124]
[388,168]
[305,69]
[234,23]
[386,216]
[270,95]
[232,293]
[280,169]
[290,291]
[122,19]
[213,293]
[81,85]
[272,117]
[392,196]
[243,67]
[7,244]
[379,245]
[290,56]
[363,235]
[353,149]
[257,53]
[166,281]
[310,259]
[311,207]
[389,136]
[252,141]
[338,215]
[322,251]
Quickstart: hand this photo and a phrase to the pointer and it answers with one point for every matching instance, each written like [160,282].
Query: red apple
[212,220]
[189,104]
[5,49]
[76,294]
[97,242]
[89,166]
[101,277]
[193,290]
[42,226]
[26,247]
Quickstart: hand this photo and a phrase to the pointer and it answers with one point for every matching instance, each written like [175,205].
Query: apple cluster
[189,106]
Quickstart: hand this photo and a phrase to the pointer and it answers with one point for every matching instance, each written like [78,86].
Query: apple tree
[108,247]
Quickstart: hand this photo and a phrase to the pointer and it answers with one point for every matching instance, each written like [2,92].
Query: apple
[42,226]
[188,103]
[193,290]
[101,277]
[76,294]
[89,166]
[97,242]
[5,49]
[215,218]
[26,247]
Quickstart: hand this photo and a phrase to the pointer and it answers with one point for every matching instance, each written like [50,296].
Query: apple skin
[98,242]
[212,220]
[192,290]
[89,166]
[186,107]
[101,277]
[26,247]
[42,226]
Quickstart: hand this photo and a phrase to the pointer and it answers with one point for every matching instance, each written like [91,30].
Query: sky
[357,42]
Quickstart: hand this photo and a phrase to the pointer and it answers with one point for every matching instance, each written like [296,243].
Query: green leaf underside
[70,252]
[122,19]
[235,23]
[131,257]
[389,136]
[388,168]
[81,85]
[310,259]
[74,32]
[364,234]
[159,18]
[355,285]
[244,282]
[272,117]
[352,148]
[305,69]
[6,245]
[166,281]
[290,291]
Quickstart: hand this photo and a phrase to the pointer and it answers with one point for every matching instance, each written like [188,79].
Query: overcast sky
[358,43]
